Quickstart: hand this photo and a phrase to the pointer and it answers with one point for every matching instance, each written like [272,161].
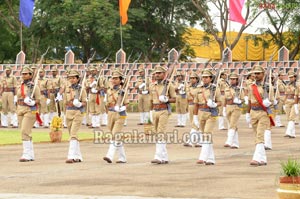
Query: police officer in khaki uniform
[161,111]
[75,100]
[181,100]
[279,96]
[233,104]
[45,87]
[222,110]
[291,105]
[191,93]
[9,98]
[143,96]
[116,116]
[248,83]
[27,111]
[259,117]
[93,96]
[103,85]
[206,104]
[56,83]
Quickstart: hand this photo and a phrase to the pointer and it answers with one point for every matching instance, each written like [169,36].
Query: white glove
[105,98]
[93,90]
[211,104]
[59,97]
[77,103]
[296,109]
[15,99]
[87,99]
[180,86]
[48,101]
[163,98]
[29,102]
[122,108]
[117,108]
[142,85]
[93,84]
[266,102]
[224,112]
[283,107]
[248,118]
[196,121]
[181,92]
[145,92]
[237,101]
[275,102]
[246,100]
[151,116]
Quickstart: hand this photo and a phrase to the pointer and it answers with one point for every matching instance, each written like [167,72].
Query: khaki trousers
[160,121]
[181,105]
[260,122]
[115,123]
[143,103]
[26,119]
[74,120]
[233,113]
[8,103]
[94,108]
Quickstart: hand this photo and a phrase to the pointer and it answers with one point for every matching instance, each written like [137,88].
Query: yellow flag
[124,5]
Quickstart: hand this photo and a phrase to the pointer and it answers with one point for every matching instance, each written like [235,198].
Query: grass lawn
[13,136]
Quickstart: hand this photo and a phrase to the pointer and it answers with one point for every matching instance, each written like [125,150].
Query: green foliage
[154,27]
[290,168]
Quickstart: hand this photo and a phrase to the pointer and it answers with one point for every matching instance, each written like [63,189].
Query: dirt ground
[231,177]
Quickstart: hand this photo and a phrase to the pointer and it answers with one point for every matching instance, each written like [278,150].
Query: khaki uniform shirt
[291,91]
[44,85]
[191,93]
[113,97]
[222,85]
[71,94]
[8,83]
[156,90]
[231,92]
[27,92]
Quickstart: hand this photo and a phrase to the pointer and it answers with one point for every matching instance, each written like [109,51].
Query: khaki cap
[26,69]
[258,69]
[160,69]
[179,73]
[7,68]
[233,76]
[73,73]
[281,73]
[207,73]
[33,66]
[141,70]
[92,68]
[291,74]
[194,75]
[54,68]
[117,73]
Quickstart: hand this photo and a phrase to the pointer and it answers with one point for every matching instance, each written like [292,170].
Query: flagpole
[121,32]
[21,36]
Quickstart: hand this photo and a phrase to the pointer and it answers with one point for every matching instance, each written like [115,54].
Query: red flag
[235,11]
[124,5]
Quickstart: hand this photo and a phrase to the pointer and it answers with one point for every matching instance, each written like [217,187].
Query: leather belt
[229,102]
[202,106]
[191,102]
[290,96]
[160,107]
[72,108]
[8,89]
[21,102]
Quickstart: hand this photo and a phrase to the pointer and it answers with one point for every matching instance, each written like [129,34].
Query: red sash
[259,100]
[97,99]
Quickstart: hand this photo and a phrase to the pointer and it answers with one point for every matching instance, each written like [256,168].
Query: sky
[260,23]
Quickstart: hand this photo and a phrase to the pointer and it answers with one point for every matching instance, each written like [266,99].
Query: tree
[206,7]
[283,16]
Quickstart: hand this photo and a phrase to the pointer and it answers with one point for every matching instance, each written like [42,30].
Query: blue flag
[26,11]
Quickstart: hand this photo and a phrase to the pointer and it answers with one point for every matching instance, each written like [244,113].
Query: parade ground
[232,176]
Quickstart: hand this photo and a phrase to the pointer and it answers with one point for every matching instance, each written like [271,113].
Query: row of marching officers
[203,96]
